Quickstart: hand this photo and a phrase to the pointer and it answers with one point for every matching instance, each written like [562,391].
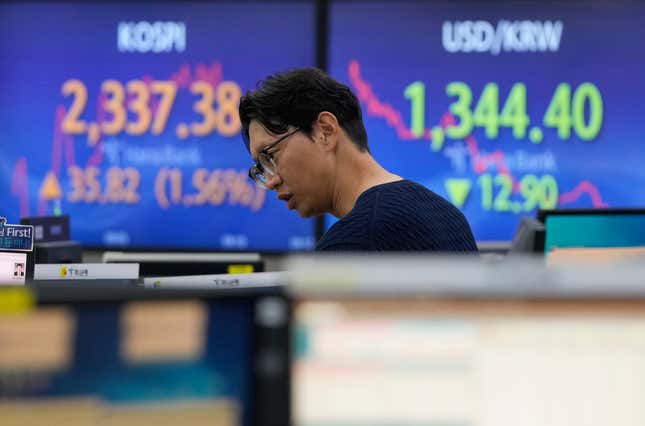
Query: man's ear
[328,130]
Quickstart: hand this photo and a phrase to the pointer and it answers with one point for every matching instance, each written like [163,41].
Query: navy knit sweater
[400,216]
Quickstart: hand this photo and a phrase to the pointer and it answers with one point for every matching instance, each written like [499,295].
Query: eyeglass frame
[268,157]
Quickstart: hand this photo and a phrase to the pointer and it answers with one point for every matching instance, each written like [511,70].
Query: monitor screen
[191,361]
[501,107]
[123,115]
[594,229]
[468,362]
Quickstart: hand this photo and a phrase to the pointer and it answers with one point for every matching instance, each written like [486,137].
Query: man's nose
[273,181]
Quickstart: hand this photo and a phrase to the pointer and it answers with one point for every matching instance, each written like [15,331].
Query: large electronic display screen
[501,107]
[124,116]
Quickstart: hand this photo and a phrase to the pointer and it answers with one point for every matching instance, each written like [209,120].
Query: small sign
[240,269]
[86,271]
[16,237]
[220,281]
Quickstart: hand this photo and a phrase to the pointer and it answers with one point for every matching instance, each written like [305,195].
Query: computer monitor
[529,235]
[592,228]
[136,357]
[483,361]
[52,240]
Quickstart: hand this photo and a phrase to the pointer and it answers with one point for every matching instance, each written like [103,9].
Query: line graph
[20,186]
[480,162]
[63,148]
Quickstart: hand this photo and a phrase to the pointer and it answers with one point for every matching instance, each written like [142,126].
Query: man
[305,131]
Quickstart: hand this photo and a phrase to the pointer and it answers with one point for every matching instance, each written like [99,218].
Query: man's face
[303,168]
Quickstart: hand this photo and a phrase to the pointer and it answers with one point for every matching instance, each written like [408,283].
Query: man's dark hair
[296,98]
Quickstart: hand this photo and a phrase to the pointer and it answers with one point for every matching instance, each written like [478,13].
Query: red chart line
[20,186]
[379,109]
[64,144]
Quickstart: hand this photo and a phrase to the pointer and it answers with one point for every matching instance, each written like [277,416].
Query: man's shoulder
[405,202]
[407,198]
[404,187]
[351,233]
[401,215]
[410,216]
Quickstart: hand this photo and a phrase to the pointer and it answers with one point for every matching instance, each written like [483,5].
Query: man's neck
[357,174]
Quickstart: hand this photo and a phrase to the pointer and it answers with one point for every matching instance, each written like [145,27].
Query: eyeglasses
[266,167]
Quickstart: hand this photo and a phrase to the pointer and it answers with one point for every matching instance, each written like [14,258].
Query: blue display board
[124,116]
[501,107]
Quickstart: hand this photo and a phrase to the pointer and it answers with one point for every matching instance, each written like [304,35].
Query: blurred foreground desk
[424,341]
